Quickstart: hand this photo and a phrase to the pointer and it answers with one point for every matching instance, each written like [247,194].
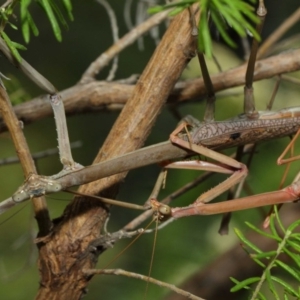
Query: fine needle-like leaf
[290,270]
[296,237]
[55,26]
[24,19]
[59,14]
[261,296]
[286,286]
[18,46]
[243,284]
[268,235]
[245,241]
[11,47]
[264,254]
[273,227]
[32,25]
[220,24]
[236,14]
[69,8]
[271,285]
[294,245]
[293,226]
[278,218]
[293,256]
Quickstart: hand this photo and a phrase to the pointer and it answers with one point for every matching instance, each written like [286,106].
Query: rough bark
[68,249]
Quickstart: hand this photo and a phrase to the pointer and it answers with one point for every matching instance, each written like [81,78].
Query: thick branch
[23,152]
[80,224]
[101,95]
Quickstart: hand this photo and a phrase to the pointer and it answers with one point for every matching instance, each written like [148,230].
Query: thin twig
[38,155]
[249,103]
[64,146]
[89,272]
[124,42]
[115,34]
[107,240]
[147,214]
[109,201]
[22,149]
[127,14]
[3,76]
[278,33]
[28,70]
[290,79]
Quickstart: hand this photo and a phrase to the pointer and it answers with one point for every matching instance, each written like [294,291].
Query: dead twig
[144,278]
[27,163]
[122,43]
[99,95]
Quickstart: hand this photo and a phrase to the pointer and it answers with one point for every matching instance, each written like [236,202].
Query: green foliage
[288,243]
[223,13]
[55,17]
[28,26]
[13,46]
[17,92]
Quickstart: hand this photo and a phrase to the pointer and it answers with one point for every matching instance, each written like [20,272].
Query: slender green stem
[271,265]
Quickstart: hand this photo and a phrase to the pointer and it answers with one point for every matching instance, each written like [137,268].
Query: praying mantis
[251,127]
[217,135]
[39,185]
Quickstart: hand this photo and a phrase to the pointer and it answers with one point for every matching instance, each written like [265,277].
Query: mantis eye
[20,196]
[164,209]
[53,186]
[163,212]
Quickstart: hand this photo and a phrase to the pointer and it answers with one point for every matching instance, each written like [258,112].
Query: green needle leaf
[289,269]
[69,8]
[271,285]
[245,241]
[286,286]
[222,13]
[18,46]
[264,254]
[48,9]
[294,257]
[268,235]
[293,226]
[59,14]
[24,19]
[244,284]
[11,46]
[294,245]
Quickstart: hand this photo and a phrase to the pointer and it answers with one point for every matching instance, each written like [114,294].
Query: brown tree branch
[121,272]
[27,163]
[66,252]
[99,95]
